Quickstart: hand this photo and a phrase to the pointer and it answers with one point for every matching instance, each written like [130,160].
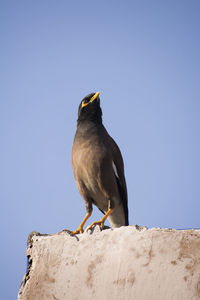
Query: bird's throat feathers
[92,116]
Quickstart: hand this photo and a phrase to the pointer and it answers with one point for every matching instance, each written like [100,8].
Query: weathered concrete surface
[125,263]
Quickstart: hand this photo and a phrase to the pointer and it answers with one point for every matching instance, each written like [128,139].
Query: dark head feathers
[89,109]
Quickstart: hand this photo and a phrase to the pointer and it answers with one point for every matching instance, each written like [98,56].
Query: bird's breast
[86,161]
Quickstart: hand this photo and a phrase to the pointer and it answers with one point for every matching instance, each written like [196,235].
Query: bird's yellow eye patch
[85,104]
[91,100]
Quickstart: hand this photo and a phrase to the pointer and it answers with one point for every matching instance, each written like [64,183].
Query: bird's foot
[80,228]
[78,231]
[100,223]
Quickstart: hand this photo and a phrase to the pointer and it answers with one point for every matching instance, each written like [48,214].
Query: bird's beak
[92,99]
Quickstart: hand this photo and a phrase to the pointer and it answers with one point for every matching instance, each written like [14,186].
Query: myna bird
[98,166]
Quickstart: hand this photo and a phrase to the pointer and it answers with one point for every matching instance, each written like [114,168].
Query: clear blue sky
[144,58]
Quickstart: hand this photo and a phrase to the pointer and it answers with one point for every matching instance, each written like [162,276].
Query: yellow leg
[101,222]
[80,228]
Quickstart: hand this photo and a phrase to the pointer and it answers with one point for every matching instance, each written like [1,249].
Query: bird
[98,167]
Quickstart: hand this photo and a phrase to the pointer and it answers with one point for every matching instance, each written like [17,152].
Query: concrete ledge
[124,263]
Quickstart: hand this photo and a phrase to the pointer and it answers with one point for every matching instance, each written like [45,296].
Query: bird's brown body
[98,167]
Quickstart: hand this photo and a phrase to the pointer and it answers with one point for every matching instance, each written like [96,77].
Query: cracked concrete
[123,263]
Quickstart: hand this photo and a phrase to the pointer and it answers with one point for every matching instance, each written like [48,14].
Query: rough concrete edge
[29,260]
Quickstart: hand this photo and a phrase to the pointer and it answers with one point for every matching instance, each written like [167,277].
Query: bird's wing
[118,167]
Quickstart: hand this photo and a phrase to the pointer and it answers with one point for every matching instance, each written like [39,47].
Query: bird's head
[89,109]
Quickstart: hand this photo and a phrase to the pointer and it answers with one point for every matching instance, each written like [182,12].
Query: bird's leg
[102,220]
[88,204]
[80,228]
